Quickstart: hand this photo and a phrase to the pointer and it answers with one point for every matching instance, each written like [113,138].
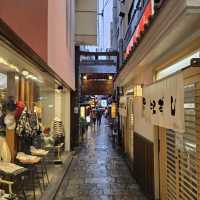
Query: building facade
[160,137]
[37,59]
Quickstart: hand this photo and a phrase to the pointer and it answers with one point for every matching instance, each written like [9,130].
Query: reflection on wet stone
[99,172]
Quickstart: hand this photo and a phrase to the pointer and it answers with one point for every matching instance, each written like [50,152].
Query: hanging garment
[5,154]
[24,131]
[23,125]
[58,131]
[57,127]
[34,123]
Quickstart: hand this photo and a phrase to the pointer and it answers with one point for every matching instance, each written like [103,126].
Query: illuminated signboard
[148,11]
[104,103]
[114,110]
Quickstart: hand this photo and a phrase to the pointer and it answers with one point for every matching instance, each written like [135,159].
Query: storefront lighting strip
[3,61]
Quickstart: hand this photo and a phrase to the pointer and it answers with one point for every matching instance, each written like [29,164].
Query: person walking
[99,116]
[93,116]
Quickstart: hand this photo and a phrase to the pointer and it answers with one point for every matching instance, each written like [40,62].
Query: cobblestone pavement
[98,172]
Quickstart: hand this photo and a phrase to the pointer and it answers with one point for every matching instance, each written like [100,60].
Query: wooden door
[144,164]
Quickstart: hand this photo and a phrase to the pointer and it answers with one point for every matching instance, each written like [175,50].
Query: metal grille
[181,152]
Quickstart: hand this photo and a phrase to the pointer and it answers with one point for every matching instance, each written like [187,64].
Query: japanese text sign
[163,103]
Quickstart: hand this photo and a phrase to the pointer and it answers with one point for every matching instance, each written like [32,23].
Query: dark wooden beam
[96,54]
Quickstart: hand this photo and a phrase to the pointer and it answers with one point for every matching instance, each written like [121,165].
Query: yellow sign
[114,110]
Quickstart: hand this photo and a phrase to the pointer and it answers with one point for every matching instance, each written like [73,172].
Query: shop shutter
[179,152]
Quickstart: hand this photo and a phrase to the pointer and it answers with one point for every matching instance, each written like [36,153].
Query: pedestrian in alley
[115,132]
[99,116]
[93,116]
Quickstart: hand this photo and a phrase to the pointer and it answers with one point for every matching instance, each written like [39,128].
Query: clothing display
[19,109]
[34,123]
[49,141]
[10,168]
[8,197]
[38,152]
[23,125]
[27,159]
[57,127]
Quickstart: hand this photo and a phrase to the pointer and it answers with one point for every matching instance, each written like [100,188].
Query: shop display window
[32,115]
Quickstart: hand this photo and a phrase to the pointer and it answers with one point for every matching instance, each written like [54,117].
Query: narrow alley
[100,100]
[98,172]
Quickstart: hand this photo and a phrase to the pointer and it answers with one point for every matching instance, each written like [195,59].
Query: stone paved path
[98,172]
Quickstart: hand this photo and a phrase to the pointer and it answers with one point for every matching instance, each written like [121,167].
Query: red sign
[140,27]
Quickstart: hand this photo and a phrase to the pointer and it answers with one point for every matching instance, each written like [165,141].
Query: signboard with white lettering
[163,103]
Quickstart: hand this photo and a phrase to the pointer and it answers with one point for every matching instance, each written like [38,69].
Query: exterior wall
[86,22]
[60,39]
[47,26]
[29,20]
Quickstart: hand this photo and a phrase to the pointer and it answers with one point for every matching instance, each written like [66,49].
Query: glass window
[183,63]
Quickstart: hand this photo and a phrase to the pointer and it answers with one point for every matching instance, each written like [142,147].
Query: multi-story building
[159,81]
[38,55]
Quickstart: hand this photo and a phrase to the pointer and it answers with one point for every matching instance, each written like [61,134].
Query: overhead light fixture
[3,61]
[25,73]
[110,77]
[137,91]
[85,77]
[16,77]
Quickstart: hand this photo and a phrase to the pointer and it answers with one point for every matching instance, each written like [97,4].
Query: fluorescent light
[3,61]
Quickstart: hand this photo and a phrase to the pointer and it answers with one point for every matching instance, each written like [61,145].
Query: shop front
[179,148]
[34,122]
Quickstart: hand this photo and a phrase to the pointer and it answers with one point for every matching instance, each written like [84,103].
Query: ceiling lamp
[25,73]
[85,77]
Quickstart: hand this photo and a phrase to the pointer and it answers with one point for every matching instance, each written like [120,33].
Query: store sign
[104,103]
[140,27]
[163,103]
[114,110]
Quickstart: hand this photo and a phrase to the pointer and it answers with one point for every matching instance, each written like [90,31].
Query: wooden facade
[144,164]
[179,155]
[97,87]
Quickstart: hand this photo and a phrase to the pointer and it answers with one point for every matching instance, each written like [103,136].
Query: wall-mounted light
[110,77]
[137,90]
[84,77]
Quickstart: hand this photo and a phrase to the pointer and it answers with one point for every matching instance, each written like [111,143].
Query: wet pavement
[98,172]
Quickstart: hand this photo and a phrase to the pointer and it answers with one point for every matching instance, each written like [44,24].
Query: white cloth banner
[163,103]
